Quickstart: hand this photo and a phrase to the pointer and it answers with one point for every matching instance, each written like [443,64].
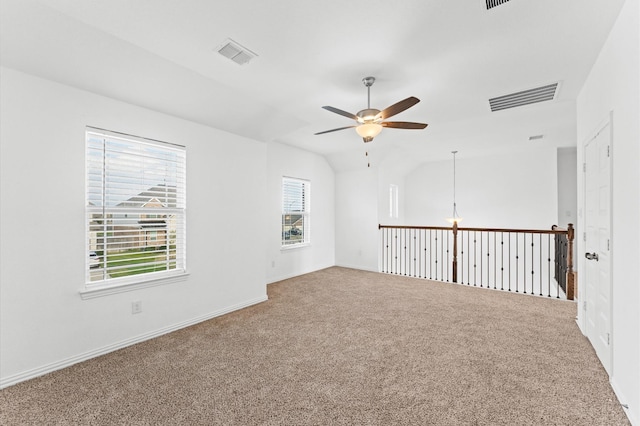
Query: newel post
[571,284]
[454,274]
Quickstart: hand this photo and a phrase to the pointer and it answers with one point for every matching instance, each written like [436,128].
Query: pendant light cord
[455,212]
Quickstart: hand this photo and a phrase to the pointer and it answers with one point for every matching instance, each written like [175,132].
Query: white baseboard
[272,280]
[45,369]
[631,411]
[359,267]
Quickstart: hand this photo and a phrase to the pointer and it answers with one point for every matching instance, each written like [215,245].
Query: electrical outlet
[136,307]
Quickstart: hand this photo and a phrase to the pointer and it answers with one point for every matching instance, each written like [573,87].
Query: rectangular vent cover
[526,97]
[536,137]
[494,3]
[236,52]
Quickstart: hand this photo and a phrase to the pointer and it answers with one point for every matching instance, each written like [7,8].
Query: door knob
[592,256]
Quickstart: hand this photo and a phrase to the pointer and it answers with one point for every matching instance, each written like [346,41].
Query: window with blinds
[295,211]
[135,209]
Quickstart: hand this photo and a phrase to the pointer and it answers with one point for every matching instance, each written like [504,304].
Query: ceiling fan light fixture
[368,131]
[455,219]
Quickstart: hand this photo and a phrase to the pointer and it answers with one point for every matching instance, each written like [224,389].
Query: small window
[295,211]
[393,201]
[135,209]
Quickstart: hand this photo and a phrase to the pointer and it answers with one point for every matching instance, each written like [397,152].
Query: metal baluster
[389,250]
[395,250]
[475,258]
[517,263]
[540,264]
[418,251]
[481,260]
[425,251]
[403,252]
[430,254]
[407,250]
[469,259]
[502,261]
[549,263]
[441,255]
[532,265]
[447,263]
[413,253]
[436,255]
[405,256]
[495,262]
[524,259]
[390,253]
[462,257]
[488,261]
[422,247]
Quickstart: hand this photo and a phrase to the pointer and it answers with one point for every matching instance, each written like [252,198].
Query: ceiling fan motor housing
[368,81]
[368,115]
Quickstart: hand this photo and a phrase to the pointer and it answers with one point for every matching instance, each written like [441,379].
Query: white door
[597,245]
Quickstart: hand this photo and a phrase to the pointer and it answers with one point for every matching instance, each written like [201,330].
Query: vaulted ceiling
[453,55]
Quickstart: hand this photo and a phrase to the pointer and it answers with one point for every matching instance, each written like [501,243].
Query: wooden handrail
[552,231]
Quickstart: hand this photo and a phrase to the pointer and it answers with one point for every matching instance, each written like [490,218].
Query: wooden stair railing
[565,275]
[516,260]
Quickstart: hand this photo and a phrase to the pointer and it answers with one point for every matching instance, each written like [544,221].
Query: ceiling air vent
[536,137]
[236,52]
[494,3]
[527,97]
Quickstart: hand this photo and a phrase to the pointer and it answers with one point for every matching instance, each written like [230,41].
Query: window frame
[304,211]
[393,201]
[101,210]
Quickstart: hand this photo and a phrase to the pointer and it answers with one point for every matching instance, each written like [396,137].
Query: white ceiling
[452,54]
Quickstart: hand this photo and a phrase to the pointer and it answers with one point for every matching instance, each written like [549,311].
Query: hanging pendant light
[455,218]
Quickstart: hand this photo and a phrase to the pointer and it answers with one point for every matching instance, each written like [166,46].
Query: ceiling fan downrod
[368,81]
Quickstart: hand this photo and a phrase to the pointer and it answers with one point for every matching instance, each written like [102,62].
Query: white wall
[284,160]
[357,219]
[516,189]
[44,324]
[614,85]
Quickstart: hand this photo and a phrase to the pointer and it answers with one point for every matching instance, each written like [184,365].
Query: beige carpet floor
[343,347]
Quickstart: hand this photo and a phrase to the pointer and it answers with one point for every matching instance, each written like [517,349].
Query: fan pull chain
[366,154]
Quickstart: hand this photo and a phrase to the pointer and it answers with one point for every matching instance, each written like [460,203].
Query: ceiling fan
[370,120]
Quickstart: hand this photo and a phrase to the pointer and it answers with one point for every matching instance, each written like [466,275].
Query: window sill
[294,246]
[92,292]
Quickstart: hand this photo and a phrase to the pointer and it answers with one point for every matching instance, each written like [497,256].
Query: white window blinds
[295,211]
[135,204]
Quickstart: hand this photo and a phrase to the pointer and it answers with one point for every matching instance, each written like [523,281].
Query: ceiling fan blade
[341,112]
[403,125]
[397,108]
[334,130]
